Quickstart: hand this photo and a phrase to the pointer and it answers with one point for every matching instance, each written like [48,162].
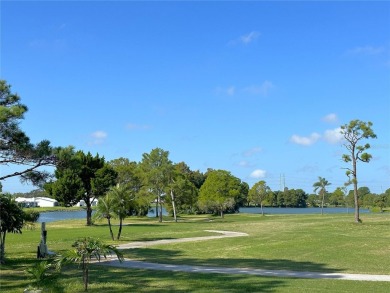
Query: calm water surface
[67,215]
[300,210]
[61,215]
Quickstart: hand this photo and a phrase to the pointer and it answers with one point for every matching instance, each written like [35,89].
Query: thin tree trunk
[86,279]
[261,206]
[109,225]
[173,206]
[159,206]
[120,228]
[322,203]
[157,213]
[355,190]
[2,247]
[85,274]
[160,219]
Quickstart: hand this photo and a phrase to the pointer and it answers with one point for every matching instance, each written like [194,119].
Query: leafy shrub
[31,216]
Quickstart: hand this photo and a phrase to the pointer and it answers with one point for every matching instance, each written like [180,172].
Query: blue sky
[255,88]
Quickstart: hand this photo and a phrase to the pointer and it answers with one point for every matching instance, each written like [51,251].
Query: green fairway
[328,243]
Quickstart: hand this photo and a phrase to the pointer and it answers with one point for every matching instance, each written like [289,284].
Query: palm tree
[106,209]
[41,273]
[122,196]
[85,251]
[321,186]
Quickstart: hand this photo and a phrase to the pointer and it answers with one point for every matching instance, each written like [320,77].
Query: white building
[81,203]
[37,202]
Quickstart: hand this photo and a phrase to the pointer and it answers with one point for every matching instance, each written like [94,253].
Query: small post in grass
[42,247]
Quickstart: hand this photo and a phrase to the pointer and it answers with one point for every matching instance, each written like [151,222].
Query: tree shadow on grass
[15,279]
[174,257]
[138,280]
[148,254]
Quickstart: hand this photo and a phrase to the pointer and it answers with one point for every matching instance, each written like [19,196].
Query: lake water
[301,210]
[67,215]
[61,215]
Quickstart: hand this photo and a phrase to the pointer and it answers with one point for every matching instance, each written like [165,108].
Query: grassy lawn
[328,243]
[55,209]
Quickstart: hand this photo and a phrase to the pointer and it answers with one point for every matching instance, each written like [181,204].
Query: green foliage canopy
[219,192]
[15,145]
[11,220]
[81,176]
[157,169]
[258,193]
[353,133]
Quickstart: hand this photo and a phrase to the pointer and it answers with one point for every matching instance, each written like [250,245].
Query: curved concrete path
[139,244]
[128,263]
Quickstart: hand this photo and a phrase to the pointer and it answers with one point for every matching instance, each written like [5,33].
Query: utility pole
[282,182]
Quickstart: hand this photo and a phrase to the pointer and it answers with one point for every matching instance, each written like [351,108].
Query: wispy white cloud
[252,151]
[308,169]
[331,118]
[366,50]
[98,137]
[249,38]
[245,164]
[262,89]
[245,39]
[258,173]
[133,126]
[230,91]
[305,140]
[99,134]
[333,136]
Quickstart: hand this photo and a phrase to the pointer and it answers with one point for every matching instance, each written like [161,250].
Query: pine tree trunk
[357,215]
[355,191]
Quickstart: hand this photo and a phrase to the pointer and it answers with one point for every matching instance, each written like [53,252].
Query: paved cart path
[139,244]
[128,263]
